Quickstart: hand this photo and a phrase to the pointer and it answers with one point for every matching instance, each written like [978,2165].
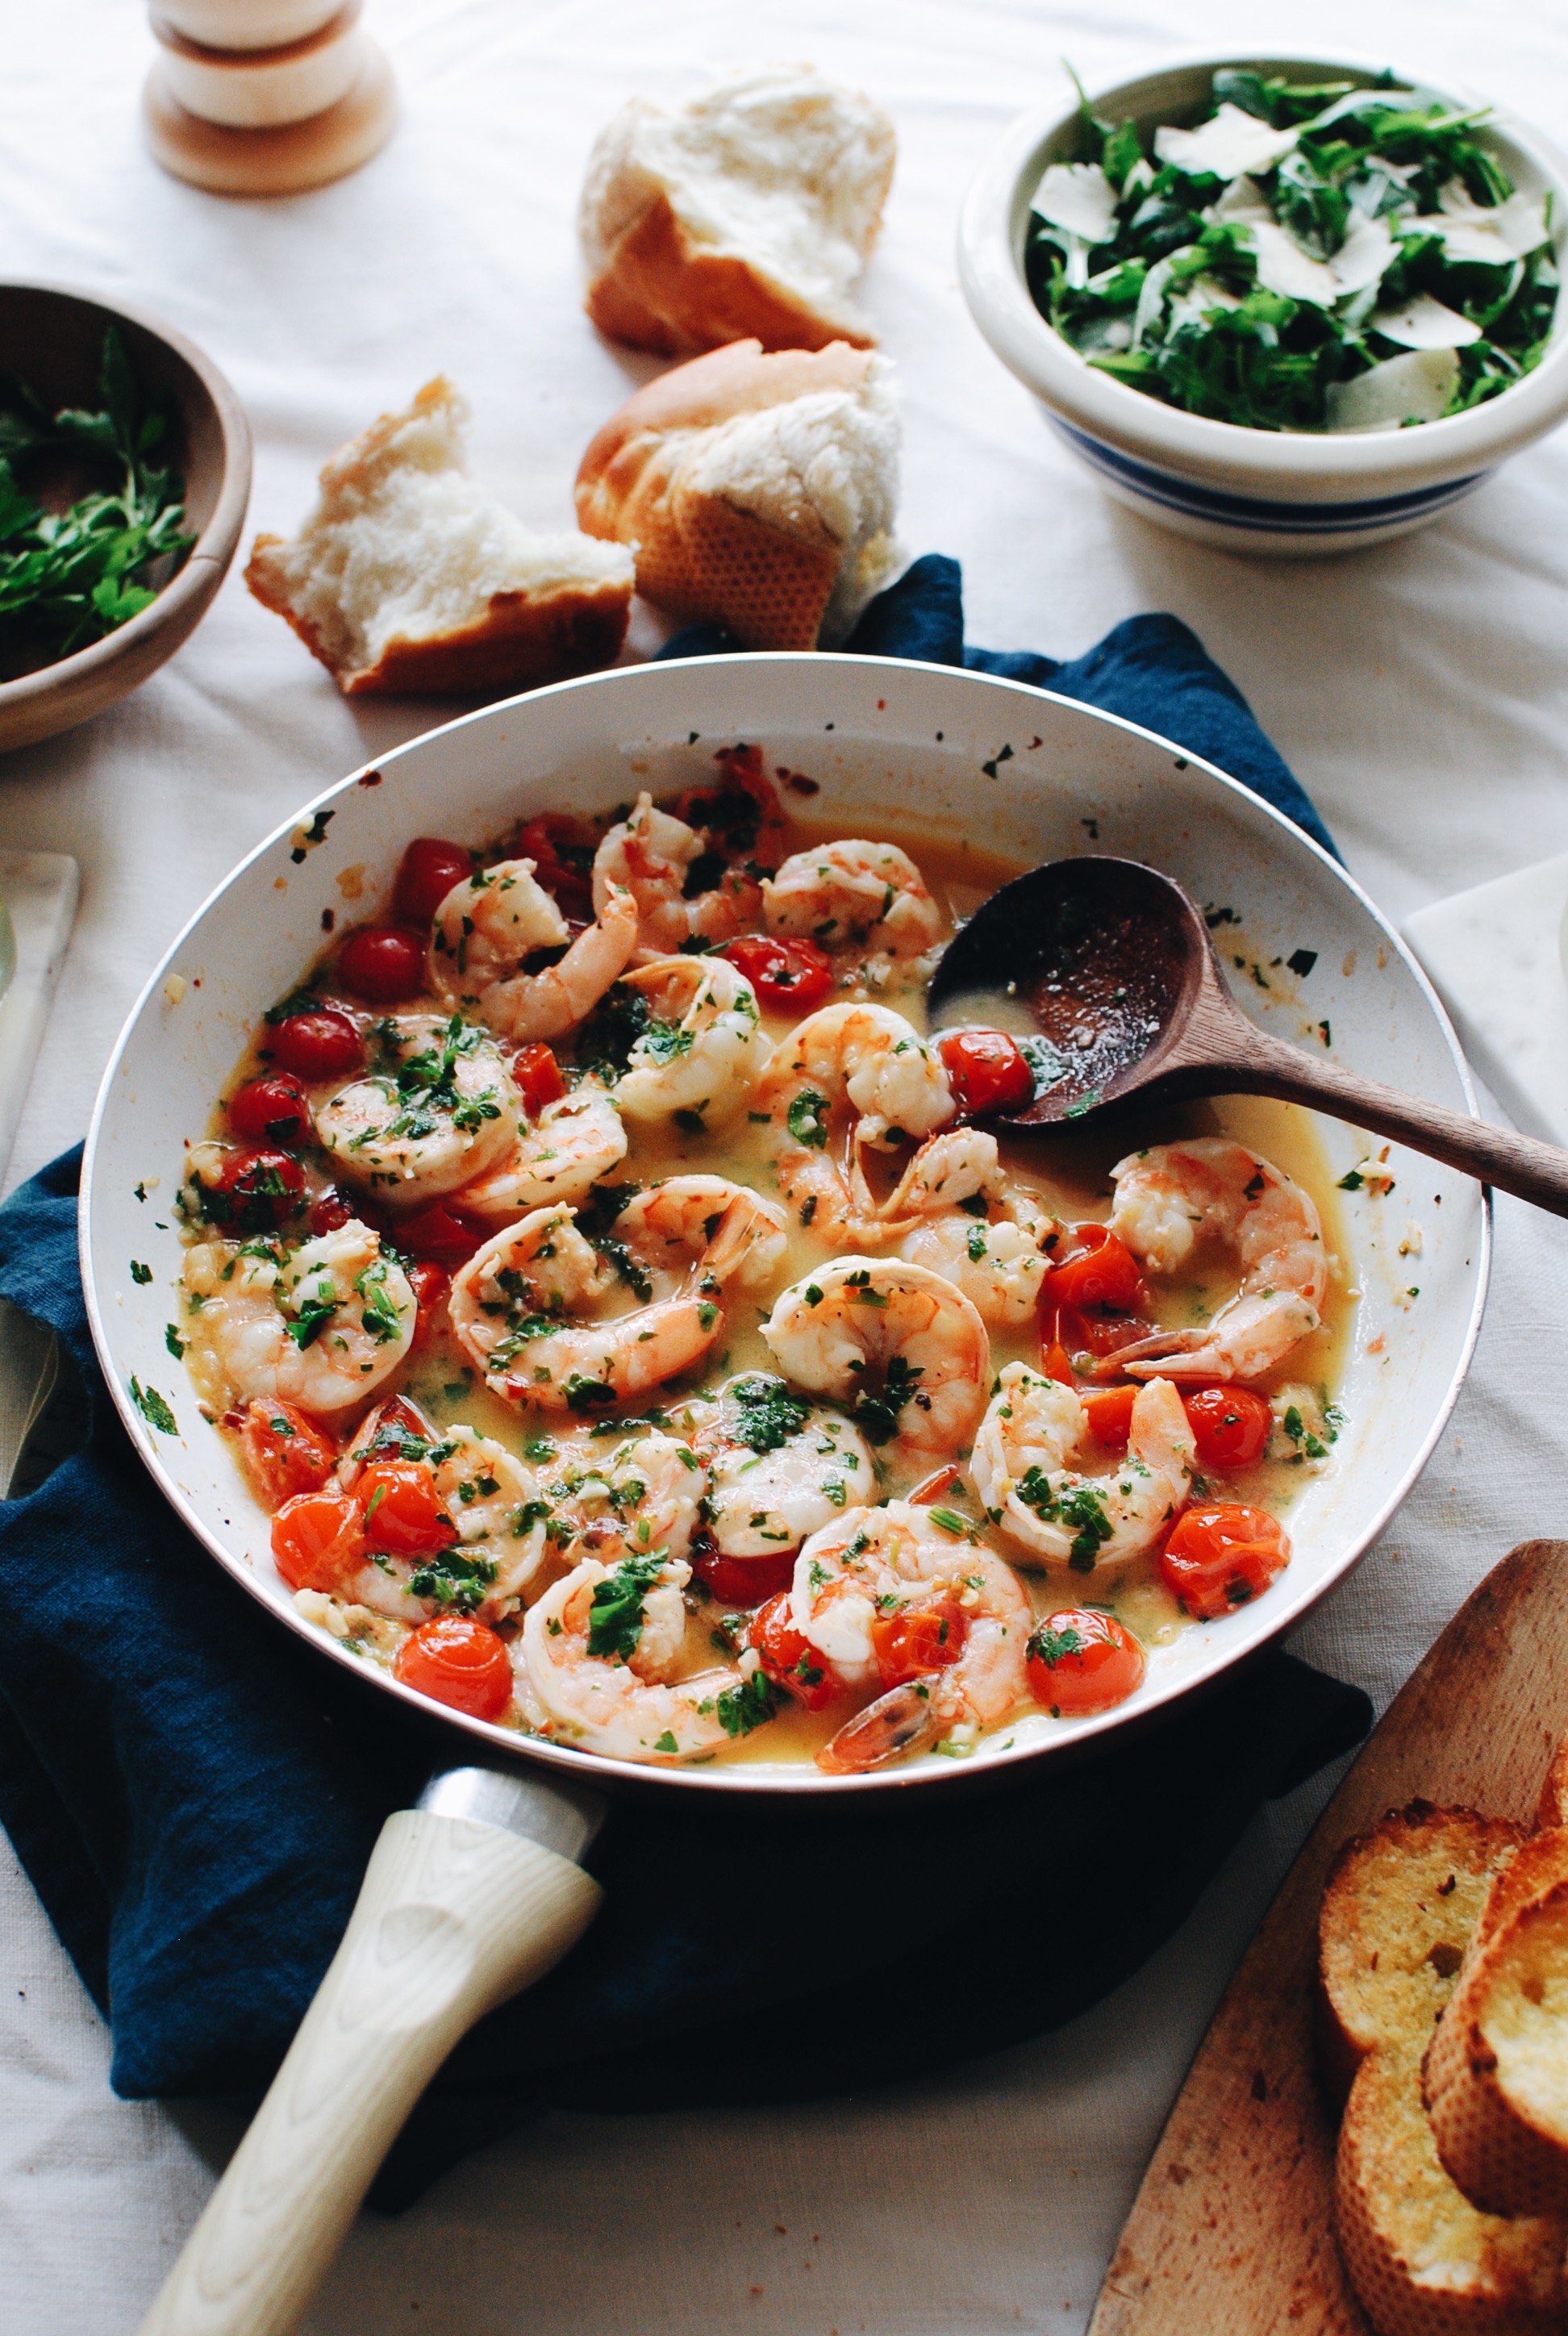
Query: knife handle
[453,1916]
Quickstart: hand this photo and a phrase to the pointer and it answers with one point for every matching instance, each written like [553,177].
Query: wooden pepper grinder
[266,97]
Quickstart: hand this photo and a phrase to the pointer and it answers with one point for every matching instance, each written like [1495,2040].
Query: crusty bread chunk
[1496,2069]
[760,490]
[750,211]
[407,575]
[1398,1916]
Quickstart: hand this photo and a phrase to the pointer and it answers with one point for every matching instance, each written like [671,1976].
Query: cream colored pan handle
[455,1915]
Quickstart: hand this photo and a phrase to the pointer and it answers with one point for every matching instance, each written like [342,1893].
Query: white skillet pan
[458,1911]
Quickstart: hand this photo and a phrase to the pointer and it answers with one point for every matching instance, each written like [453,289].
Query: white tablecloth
[1416,689]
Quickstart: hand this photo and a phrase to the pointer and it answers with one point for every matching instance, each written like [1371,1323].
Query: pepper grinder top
[266,97]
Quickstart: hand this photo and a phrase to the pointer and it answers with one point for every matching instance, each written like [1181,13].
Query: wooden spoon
[1113,964]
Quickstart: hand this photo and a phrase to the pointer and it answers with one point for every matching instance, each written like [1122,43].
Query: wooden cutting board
[1232,2232]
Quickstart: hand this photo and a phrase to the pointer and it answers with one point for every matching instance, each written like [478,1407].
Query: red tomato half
[1229,1425]
[915,1641]
[440,1232]
[789,976]
[1081,1661]
[987,1070]
[745,1580]
[432,1286]
[788,1659]
[317,1045]
[457,1662]
[1109,1412]
[401,1510]
[271,1110]
[284,1452]
[1099,1274]
[562,848]
[316,1540]
[382,963]
[254,1191]
[328,1211]
[1222,1557]
[426,874]
[536,1074]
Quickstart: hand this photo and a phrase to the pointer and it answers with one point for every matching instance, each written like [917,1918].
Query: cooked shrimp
[447,1112]
[487,928]
[703,1048]
[1175,1195]
[972,1223]
[875,1564]
[862,1319]
[1022,1472]
[510,1303]
[849,1077]
[652,855]
[321,1325]
[571,1146]
[500,1548]
[855,894]
[598,1649]
[644,1493]
[781,1467]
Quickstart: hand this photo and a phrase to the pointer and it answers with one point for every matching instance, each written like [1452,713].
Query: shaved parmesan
[1283,267]
[1233,141]
[1364,256]
[1480,245]
[1242,201]
[1519,225]
[1192,302]
[1079,197]
[1425,324]
[1412,388]
[1151,299]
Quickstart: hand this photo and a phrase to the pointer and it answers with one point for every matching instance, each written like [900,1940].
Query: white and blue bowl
[1253,491]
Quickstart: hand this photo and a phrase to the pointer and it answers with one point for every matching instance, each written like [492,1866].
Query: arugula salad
[1323,256]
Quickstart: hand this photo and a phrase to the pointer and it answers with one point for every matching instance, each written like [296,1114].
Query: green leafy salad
[1304,258]
[68,577]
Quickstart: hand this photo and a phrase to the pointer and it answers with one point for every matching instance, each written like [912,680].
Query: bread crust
[659,290]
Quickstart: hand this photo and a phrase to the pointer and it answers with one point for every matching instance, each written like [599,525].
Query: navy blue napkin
[194,1792]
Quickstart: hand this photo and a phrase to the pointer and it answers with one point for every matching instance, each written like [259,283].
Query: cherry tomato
[327,1212]
[441,1232]
[321,1045]
[913,1642]
[1109,1412]
[382,963]
[743,814]
[316,1540]
[431,1285]
[1222,1557]
[1081,1661]
[1229,1425]
[536,1074]
[426,874]
[1055,1362]
[562,848]
[987,1070]
[789,976]
[932,1488]
[284,1452]
[271,1110]
[458,1662]
[745,1580]
[790,1660]
[254,1191]
[1098,1275]
[401,1510]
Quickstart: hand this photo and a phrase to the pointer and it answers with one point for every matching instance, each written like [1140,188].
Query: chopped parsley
[153,1408]
[615,1611]
[765,1412]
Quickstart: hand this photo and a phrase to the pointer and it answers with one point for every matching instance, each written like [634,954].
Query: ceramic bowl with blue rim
[1292,490]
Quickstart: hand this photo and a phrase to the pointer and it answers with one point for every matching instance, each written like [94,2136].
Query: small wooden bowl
[52,338]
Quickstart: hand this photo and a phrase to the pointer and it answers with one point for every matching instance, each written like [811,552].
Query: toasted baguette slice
[1496,2070]
[750,212]
[1398,1911]
[759,491]
[407,576]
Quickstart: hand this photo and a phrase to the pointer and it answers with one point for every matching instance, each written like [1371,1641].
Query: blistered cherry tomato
[1081,1661]
[1229,1425]
[789,976]
[440,1232]
[432,1286]
[426,874]
[254,1191]
[913,1642]
[790,1660]
[536,1074]
[987,1070]
[284,1452]
[382,963]
[1109,1412]
[1222,1557]
[271,1110]
[401,1510]
[1099,1274]
[457,1662]
[745,1580]
[318,1045]
[316,1540]
[562,848]
[328,1211]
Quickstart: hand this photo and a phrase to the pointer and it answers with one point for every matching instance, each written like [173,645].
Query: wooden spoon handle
[452,1917]
[1537,1172]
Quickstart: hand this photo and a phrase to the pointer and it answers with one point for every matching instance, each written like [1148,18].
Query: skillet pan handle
[456,1913]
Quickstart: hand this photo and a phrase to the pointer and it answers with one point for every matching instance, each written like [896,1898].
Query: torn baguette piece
[1400,1906]
[408,577]
[760,490]
[752,209]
